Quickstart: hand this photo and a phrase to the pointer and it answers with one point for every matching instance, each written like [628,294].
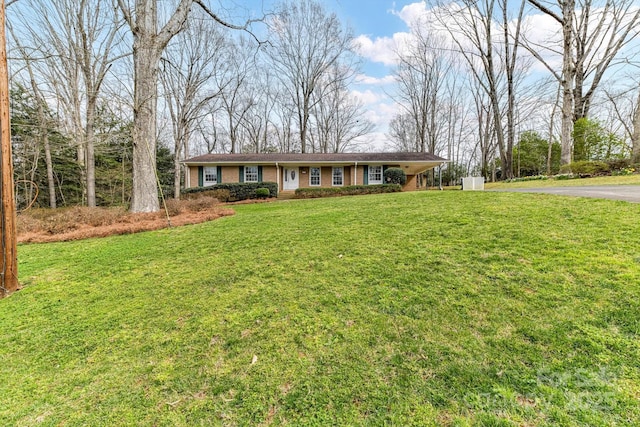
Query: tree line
[478,85]
[109,96]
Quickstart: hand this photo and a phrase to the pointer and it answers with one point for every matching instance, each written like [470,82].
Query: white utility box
[473,183]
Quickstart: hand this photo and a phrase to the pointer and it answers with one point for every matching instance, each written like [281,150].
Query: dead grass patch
[79,222]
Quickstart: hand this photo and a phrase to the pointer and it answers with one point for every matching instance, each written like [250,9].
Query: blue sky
[370,18]
[380,27]
[374,24]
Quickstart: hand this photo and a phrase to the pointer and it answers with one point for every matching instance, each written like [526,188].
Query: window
[210,175]
[375,174]
[251,174]
[337,176]
[314,177]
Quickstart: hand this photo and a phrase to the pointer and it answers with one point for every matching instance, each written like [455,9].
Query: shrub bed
[529,178]
[350,190]
[586,168]
[233,192]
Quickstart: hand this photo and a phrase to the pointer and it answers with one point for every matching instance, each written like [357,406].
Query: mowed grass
[598,180]
[424,308]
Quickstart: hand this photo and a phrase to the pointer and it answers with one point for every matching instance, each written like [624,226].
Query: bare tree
[338,117]
[420,75]
[258,122]
[148,44]
[78,38]
[188,70]
[307,42]
[235,84]
[485,138]
[635,136]
[42,118]
[626,107]
[285,133]
[402,133]
[592,37]
[492,59]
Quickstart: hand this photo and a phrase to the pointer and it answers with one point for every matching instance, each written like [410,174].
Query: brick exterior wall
[410,185]
[269,174]
[230,174]
[193,176]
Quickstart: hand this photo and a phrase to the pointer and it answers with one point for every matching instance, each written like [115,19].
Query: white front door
[290,178]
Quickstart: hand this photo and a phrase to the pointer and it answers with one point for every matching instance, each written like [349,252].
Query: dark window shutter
[366,175]
[241,174]
[219,175]
[200,176]
[259,173]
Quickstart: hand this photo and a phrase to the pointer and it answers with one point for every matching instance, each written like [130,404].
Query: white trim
[319,184]
[206,183]
[257,173]
[333,184]
[374,182]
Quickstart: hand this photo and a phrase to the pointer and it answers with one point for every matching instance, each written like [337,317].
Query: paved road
[629,193]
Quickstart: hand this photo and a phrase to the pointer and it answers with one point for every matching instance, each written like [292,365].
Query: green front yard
[424,308]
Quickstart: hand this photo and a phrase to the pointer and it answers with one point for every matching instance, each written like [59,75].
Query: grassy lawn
[424,308]
[599,180]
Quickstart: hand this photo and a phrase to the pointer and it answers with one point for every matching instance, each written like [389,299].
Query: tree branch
[220,21]
[125,12]
[546,10]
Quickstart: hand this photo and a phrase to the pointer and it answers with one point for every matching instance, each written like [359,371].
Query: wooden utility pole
[9,262]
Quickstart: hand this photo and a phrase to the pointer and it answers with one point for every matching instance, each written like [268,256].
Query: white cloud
[542,30]
[381,49]
[381,113]
[412,13]
[366,97]
[374,142]
[374,81]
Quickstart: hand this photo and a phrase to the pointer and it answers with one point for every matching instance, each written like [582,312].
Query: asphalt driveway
[629,193]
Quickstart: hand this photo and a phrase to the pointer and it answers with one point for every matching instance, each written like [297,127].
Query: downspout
[440,177]
[278,177]
[187,178]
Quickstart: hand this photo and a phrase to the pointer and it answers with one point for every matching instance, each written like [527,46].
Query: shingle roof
[315,157]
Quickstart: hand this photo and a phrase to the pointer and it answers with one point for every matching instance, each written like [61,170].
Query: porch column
[355,175]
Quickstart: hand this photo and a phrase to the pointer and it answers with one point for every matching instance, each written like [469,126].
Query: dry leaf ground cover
[426,309]
[75,223]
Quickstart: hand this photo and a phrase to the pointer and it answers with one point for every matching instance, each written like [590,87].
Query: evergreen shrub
[585,168]
[236,191]
[350,190]
[262,193]
[395,176]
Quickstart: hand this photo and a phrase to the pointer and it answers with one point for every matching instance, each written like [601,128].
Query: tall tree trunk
[43,135]
[568,80]
[144,196]
[148,45]
[551,120]
[635,137]
[181,142]
[49,164]
[90,159]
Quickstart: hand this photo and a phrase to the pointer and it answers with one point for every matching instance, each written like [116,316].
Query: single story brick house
[292,171]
